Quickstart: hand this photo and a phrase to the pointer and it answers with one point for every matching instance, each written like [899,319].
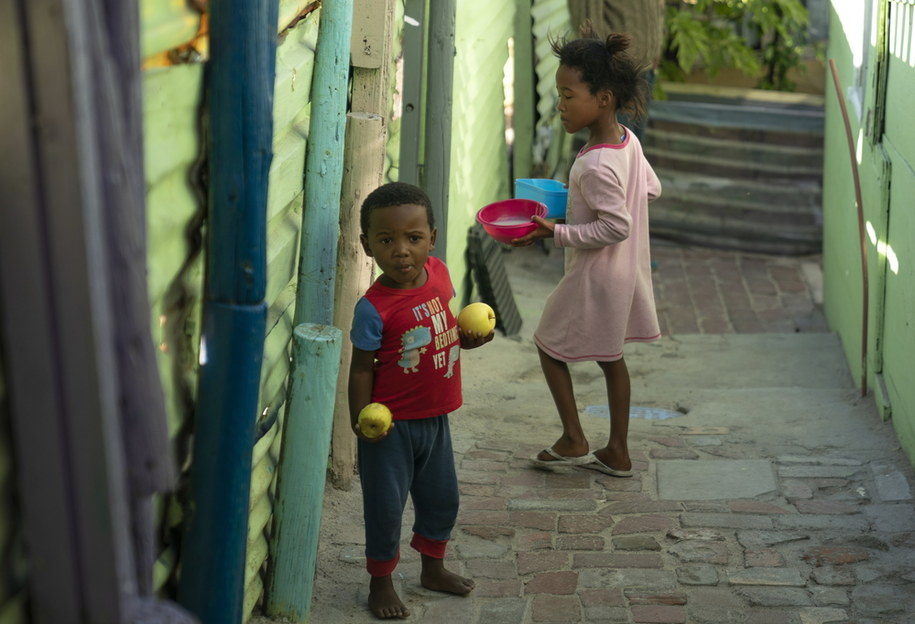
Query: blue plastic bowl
[552,193]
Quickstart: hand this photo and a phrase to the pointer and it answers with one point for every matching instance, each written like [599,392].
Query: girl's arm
[606,196]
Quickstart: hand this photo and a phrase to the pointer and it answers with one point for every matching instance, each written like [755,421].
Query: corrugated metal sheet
[550,20]
[479,154]
[174,212]
[263,484]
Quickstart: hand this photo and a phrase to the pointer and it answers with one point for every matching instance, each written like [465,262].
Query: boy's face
[399,239]
[578,107]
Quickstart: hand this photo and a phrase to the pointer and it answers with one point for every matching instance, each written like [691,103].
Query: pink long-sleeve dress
[605,299]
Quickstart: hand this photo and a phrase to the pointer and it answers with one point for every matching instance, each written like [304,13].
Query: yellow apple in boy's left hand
[374,420]
[477,318]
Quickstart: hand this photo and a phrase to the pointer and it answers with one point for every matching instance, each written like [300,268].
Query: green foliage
[760,38]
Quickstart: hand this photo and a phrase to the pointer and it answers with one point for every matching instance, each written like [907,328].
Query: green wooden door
[895,304]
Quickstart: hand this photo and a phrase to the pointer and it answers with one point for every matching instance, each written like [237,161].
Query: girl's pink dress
[605,298]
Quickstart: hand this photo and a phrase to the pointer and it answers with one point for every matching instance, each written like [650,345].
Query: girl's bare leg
[616,453]
[572,443]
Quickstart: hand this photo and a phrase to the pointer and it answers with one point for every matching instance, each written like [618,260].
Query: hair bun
[617,42]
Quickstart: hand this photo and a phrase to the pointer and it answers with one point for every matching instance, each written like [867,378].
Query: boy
[406,351]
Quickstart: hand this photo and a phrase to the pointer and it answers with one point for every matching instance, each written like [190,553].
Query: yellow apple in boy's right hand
[477,318]
[374,420]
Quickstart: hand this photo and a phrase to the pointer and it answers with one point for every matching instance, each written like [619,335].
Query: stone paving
[766,490]
[708,291]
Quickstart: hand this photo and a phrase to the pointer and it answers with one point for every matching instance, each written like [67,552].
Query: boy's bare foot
[384,601]
[435,577]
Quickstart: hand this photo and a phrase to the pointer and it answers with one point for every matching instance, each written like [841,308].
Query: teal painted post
[316,361]
[303,466]
[324,166]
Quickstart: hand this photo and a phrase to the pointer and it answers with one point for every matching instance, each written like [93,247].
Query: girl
[605,298]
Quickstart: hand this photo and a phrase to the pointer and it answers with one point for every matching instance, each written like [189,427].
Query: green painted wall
[886,165]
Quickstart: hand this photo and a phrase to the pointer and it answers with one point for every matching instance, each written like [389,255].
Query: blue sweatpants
[416,459]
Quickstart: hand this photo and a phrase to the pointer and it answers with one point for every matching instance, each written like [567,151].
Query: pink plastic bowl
[510,218]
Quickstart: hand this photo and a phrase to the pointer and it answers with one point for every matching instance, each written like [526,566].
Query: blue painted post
[240,148]
[300,486]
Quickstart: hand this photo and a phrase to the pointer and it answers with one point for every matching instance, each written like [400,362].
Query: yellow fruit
[477,318]
[374,420]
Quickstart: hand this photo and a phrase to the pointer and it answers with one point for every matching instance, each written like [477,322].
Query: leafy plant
[760,38]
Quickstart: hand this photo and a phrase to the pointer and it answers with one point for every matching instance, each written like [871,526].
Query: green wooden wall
[886,165]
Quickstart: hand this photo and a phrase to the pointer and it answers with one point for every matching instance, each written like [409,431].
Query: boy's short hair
[395,194]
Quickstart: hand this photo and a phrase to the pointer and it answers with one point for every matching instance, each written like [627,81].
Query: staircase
[741,168]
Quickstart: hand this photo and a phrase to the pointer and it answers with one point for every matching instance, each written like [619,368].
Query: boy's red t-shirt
[417,346]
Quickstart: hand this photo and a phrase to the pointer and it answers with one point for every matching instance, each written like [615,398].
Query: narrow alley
[766,490]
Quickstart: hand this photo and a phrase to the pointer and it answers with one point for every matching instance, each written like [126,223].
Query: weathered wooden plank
[369,45]
[365,142]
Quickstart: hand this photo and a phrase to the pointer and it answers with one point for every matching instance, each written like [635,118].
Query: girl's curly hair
[605,65]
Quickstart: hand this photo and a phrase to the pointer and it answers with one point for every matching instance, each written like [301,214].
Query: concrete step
[741,169]
[772,156]
[745,114]
[741,193]
[751,166]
